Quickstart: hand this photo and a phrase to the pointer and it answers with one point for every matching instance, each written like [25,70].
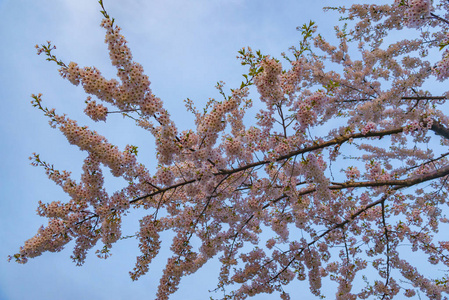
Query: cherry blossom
[341,175]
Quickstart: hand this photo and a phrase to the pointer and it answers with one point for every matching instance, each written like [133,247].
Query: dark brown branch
[440,129]
[439,18]
[428,162]
[164,190]
[424,98]
[122,111]
[335,141]
[436,127]
[387,242]
[395,184]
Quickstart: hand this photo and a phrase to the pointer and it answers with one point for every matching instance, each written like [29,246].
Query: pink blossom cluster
[315,172]
[96,112]
[120,163]
[149,245]
[165,176]
[416,126]
[352,173]
[441,69]
[432,290]
[51,238]
[417,11]
[150,104]
[233,147]
[211,124]
[308,110]
[214,121]
[375,171]
[290,80]
[73,73]
[268,81]
[370,126]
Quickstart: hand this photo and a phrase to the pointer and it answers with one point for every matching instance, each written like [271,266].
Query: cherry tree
[343,172]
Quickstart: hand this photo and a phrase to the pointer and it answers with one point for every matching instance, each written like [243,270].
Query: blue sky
[184,46]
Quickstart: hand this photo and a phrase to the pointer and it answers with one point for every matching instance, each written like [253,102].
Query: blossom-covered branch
[342,172]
